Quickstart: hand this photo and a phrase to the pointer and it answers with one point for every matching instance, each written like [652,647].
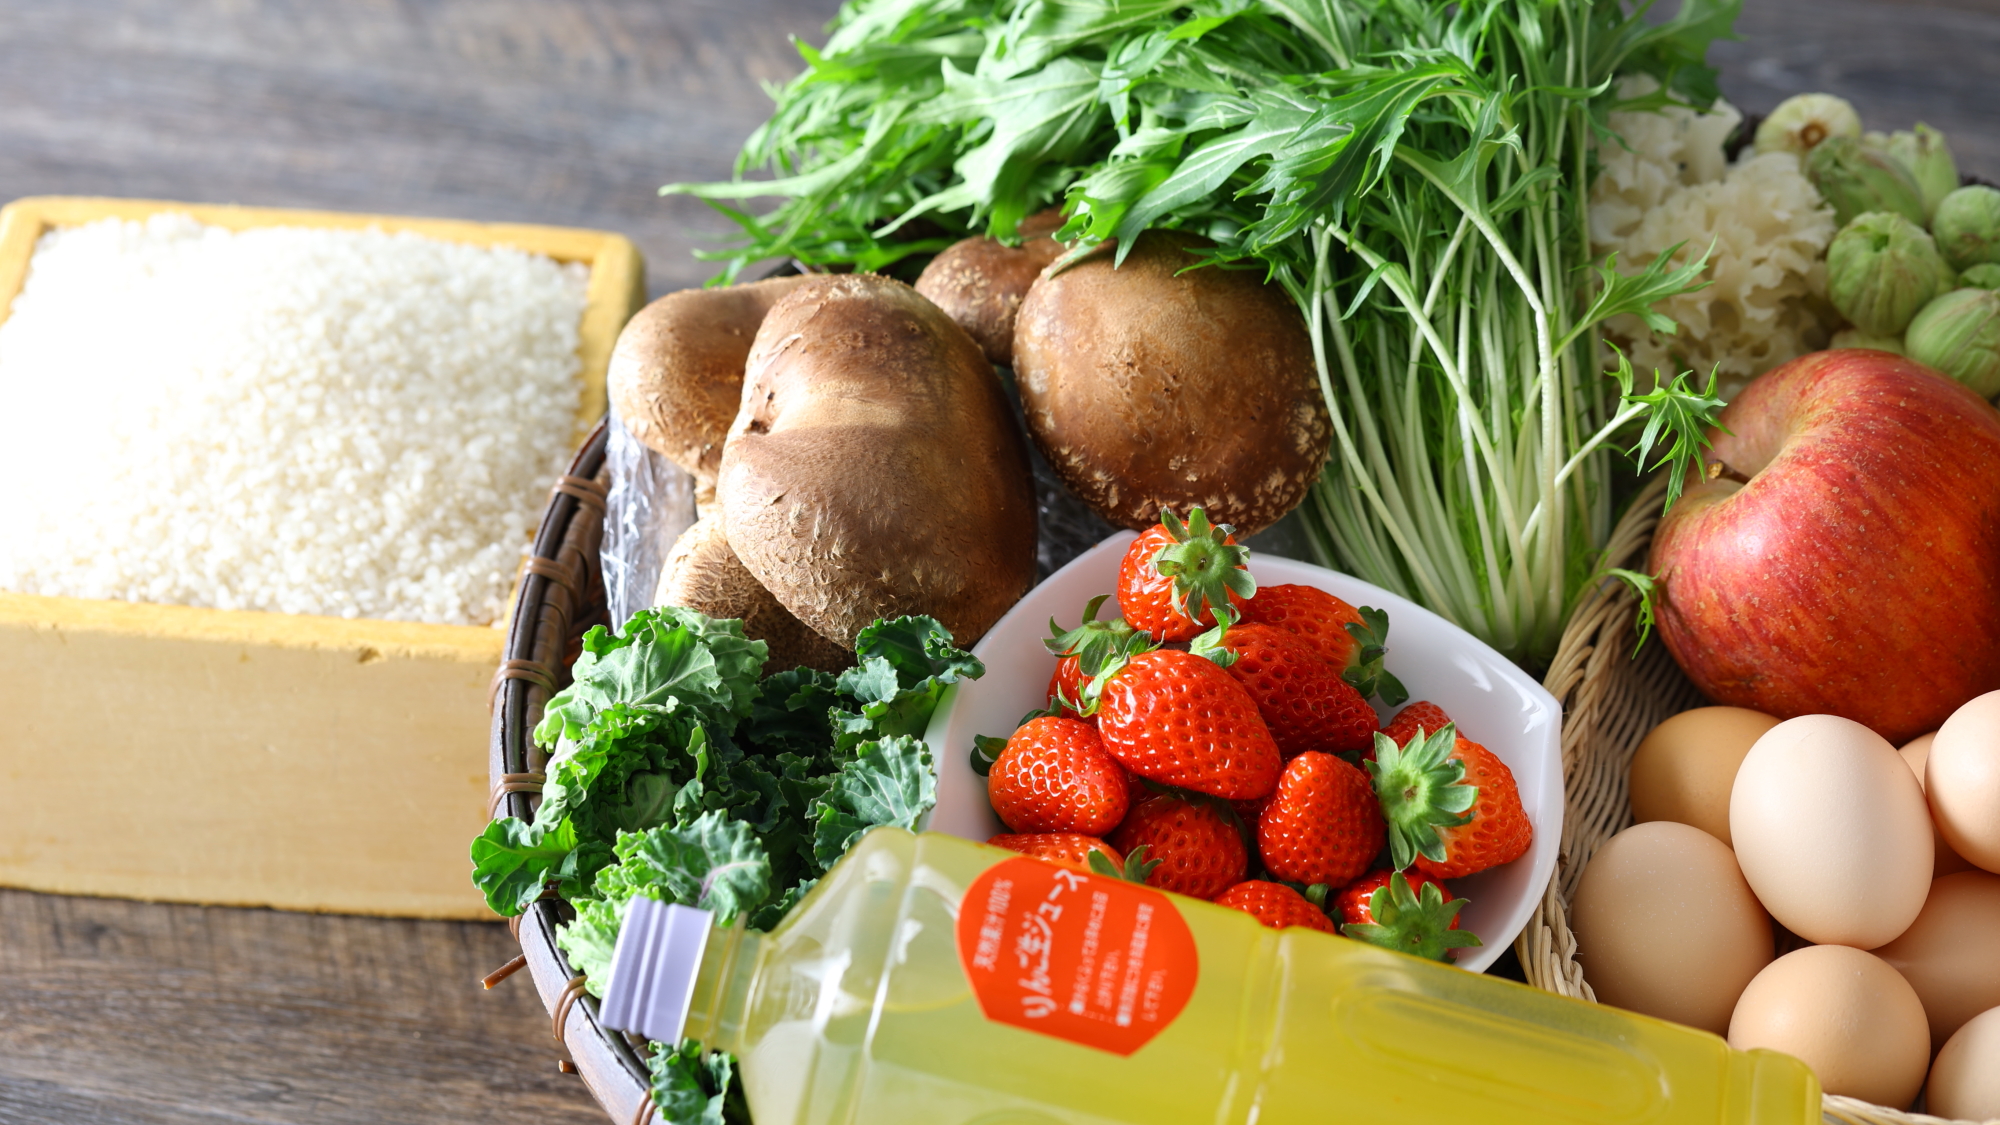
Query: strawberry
[1084,651]
[1352,640]
[1066,686]
[1178,719]
[1071,848]
[1407,912]
[1175,573]
[1302,698]
[1198,846]
[1323,824]
[1275,905]
[1056,776]
[1452,806]
[1412,720]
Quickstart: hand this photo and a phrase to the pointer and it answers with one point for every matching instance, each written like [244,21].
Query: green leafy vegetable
[888,782]
[711,863]
[693,1087]
[1413,172]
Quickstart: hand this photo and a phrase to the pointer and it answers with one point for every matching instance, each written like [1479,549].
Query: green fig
[1881,269]
[1855,179]
[1967,227]
[1802,121]
[1959,334]
[1927,158]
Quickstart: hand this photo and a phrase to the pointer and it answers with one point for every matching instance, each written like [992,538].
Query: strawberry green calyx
[1209,645]
[985,751]
[1366,674]
[1205,566]
[1137,866]
[1096,643]
[1421,789]
[1413,923]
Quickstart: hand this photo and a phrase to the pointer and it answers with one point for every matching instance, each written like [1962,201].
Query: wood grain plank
[1898,61]
[118,1011]
[569,112]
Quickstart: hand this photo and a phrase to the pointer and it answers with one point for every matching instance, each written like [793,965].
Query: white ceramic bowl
[1493,702]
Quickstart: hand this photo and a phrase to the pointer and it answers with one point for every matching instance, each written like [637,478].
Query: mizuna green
[1413,172]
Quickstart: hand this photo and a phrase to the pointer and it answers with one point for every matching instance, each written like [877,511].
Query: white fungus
[347,423]
[1666,182]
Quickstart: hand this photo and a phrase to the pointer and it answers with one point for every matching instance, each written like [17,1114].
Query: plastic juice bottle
[931,979]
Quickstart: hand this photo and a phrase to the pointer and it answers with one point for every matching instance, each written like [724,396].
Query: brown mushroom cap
[980,282]
[1147,388]
[702,573]
[875,468]
[676,373]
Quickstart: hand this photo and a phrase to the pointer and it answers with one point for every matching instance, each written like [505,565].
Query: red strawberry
[1275,905]
[1323,824]
[1178,719]
[1198,847]
[1422,715]
[1452,806]
[1056,776]
[1058,847]
[1406,911]
[1302,697]
[1350,639]
[1175,573]
[1085,651]
[1066,686]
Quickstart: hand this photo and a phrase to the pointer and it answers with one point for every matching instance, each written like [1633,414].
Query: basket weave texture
[1610,701]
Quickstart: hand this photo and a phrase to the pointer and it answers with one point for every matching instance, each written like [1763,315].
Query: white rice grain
[347,423]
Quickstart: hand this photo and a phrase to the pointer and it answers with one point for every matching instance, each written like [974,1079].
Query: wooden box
[259,759]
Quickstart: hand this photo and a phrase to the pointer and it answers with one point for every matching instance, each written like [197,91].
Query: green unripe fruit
[1985,275]
[1967,227]
[1928,159]
[1959,334]
[1802,121]
[1855,179]
[1881,269]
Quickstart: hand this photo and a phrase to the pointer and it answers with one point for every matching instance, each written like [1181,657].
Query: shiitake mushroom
[676,373]
[1157,385]
[875,468]
[980,282]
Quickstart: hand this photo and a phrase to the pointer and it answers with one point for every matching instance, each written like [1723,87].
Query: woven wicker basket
[1610,700]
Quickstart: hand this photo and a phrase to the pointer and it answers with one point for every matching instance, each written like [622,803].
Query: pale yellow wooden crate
[258,759]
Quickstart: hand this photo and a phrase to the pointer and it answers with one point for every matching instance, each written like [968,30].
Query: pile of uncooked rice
[1670,183]
[348,423]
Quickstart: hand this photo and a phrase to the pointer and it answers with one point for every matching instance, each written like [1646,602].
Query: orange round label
[1087,958]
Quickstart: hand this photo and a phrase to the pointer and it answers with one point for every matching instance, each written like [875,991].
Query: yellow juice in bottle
[936,980]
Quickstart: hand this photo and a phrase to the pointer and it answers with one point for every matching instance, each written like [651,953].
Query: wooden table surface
[559,111]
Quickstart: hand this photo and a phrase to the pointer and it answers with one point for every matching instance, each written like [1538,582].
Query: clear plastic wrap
[651,502]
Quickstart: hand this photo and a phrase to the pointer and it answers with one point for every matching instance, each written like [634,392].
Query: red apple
[1844,556]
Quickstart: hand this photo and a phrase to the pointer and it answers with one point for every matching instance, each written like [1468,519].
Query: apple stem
[1718,470]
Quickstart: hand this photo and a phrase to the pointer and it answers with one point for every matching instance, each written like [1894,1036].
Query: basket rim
[608,1063]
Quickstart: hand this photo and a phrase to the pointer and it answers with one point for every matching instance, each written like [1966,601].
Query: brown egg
[1847,1014]
[1962,780]
[1951,953]
[1965,1079]
[1831,831]
[1683,770]
[1944,861]
[1666,926]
